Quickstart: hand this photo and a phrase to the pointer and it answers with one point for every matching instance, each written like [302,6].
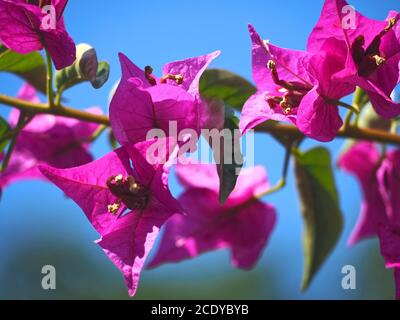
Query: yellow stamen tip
[134,188]
[286,106]
[179,79]
[271,65]
[379,60]
[113,208]
[118,178]
[392,22]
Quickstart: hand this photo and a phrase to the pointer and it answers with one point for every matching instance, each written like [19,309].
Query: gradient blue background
[39,226]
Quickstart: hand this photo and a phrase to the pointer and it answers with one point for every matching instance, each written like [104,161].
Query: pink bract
[296,87]
[380,214]
[21,30]
[371,49]
[47,139]
[143,102]
[243,224]
[126,205]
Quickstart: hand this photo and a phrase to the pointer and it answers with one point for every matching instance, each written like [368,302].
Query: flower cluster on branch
[125,194]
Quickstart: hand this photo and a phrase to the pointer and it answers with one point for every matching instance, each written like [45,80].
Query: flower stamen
[369,59]
[148,73]
[286,106]
[113,208]
[288,85]
[178,78]
[128,191]
[378,59]
[392,22]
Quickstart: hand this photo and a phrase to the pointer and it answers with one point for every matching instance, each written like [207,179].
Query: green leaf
[14,62]
[85,68]
[4,128]
[225,145]
[222,90]
[36,78]
[31,67]
[320,208]
[231,88]
[229,172]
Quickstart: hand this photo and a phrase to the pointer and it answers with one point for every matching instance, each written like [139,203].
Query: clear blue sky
[39,226]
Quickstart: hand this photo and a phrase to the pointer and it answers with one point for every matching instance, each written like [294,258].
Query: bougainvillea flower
[371,47]
[380,212]
[389,187]
[362,160]
[57,141]
[243,224]
[295,86]
[27,26]
[143,102]
[389,231]
[126,206]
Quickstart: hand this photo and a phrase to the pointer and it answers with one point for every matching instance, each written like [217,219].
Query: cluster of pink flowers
[125,194]
[303,87]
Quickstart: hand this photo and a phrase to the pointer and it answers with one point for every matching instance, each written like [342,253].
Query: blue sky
[36,216]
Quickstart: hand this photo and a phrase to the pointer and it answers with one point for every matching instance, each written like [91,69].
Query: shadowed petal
[208,227]
[361,160]
[388,177]
[60,46]
[250,182]
[389,236]
[53,140]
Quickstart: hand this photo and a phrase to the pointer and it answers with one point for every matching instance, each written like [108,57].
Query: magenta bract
[26,27]
[126,206]
[143,102]
[295,86]
[380,213]
[47,139]
[243,224]
[371,49]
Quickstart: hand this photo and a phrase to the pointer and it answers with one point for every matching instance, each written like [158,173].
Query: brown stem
[273,128]
[349,132]
[37,108]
